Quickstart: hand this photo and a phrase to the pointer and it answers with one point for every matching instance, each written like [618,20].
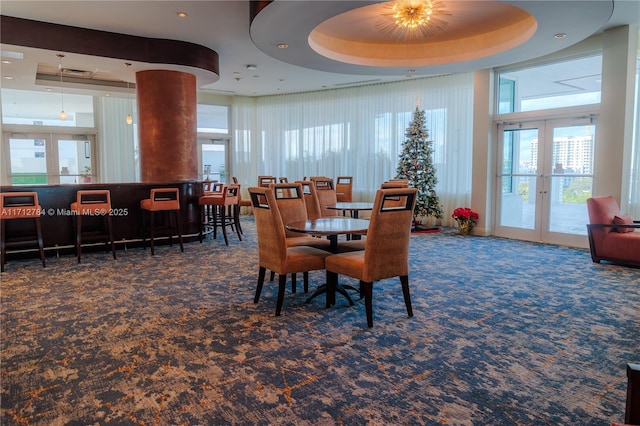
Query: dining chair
[273,252]
[17,206]
[386,251]
[291,204]
[311,202]
[395,183]
[326,195]
[265,181]
[344,188]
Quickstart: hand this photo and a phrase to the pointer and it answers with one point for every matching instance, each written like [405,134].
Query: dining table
[353,207]
[331,228]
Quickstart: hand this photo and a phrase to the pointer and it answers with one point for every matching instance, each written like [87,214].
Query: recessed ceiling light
[6,61]
[8,77]
[282,46]
[251,67]
[182,14]
[560,36]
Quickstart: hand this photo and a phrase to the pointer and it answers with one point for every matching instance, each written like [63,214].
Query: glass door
[545,177]
[213,160]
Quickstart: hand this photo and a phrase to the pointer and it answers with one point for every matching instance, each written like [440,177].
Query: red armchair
[612,236]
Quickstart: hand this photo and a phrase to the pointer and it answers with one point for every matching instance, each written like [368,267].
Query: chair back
[387,245]
[19,205]
[283,179]
[344,188]
[395,183]
[162,199]
[601,210]
[265,181]
[311,202]
[326,195]
[231,194]
[272,246]
[291,205]
[92,202]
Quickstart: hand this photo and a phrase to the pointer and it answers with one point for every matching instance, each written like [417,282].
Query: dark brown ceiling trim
[63,38]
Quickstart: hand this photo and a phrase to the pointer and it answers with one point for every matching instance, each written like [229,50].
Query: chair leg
[404,280]
[272,276]
[40,241]
[236,221]
[223,221]
[293,283]
[282,282]
[110,230]
[261,272]
[367,289]
[79,237]
[151,234]
[202,219]
[305,278]
[237,213]
[332,283]
[179,227]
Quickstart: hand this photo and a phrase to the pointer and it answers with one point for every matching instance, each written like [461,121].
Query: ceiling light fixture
[282,45]
[560,36]
[182,14]
[129,118]
[63,115]
[413,18]
[251,67]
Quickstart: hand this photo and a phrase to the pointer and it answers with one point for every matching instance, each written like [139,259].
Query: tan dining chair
[311,202]
[273,252]
[291,204]
[326,195]
[386,252]
[344,188]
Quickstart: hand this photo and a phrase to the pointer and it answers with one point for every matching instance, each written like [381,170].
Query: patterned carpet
[504,333]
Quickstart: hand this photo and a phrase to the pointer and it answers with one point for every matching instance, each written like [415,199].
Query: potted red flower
[466,219]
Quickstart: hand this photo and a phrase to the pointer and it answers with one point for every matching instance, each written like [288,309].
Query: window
[560,84]
[43,108]
[213,118]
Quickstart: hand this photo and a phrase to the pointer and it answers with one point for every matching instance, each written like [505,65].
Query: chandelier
[412,18]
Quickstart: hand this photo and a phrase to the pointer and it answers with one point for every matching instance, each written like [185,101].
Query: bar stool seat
[162,200]
[94,202]
[20,205]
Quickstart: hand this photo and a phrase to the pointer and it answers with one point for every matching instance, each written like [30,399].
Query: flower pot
[465,228]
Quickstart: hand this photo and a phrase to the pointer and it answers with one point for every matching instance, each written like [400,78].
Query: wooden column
[167,125]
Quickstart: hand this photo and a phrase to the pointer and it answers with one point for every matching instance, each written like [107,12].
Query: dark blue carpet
[504,333]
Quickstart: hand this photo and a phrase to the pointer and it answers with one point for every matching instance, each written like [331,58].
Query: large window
[555,85]
[43,108]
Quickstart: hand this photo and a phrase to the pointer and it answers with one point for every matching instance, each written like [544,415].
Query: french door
[48,158]
[545,175]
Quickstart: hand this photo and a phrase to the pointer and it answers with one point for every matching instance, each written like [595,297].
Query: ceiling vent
[76,73]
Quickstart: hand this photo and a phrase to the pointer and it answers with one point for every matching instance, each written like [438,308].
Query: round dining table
[331,227]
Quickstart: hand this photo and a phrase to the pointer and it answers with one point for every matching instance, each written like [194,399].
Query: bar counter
[57,220]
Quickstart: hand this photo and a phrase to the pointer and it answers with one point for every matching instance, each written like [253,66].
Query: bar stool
[162,200]
[225,211]
[95,202]
[20,205]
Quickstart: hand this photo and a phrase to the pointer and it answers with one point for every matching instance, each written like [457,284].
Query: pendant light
[63,115]
[129,118]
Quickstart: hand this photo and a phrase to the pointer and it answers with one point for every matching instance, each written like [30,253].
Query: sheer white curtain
[634,175]
[358,132]
[117,147]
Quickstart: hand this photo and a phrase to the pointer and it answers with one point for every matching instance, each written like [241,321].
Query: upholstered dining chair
[326,194]
[611,233]
[291,204]
[344,188]
[386,252]
[93,203]
[273,253]
[311,202]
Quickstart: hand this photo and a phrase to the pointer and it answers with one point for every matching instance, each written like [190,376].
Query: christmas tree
[416,165]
